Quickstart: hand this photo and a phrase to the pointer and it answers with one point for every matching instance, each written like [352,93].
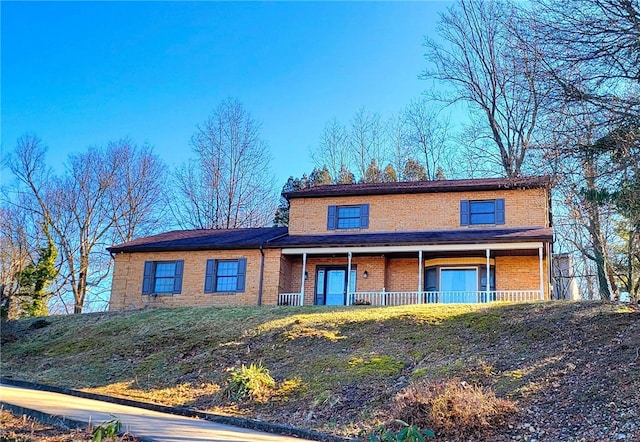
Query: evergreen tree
[320,177]
[345,176]
[373,173]
[389,174]
[414,171]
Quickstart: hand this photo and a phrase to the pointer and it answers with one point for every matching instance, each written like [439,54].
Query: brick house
[380,244]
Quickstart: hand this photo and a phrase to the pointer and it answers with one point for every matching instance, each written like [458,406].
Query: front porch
[427,274]
[431,297]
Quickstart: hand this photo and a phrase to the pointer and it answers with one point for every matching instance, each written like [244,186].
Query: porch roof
[431,237]
[277,237]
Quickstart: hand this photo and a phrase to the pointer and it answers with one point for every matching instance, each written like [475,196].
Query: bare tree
[333,149]
[591,54]
[427,135]
[480,62]
[87,208]
[398,141]
[366,140]
[16,253]
[230,184]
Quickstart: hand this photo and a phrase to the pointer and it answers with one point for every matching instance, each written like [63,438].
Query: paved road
[137,421]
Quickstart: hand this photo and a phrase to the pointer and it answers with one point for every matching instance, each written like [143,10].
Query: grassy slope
[338,368]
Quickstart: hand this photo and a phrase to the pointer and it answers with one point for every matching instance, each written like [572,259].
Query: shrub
[407,433]
[107,430]
[452,408]
[253,381]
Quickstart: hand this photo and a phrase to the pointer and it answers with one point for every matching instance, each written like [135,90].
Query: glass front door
[336,285]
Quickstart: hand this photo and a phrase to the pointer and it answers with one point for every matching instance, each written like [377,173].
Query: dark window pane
[349,217]
[163,277]
[227,276]
[483,206]
[482,212]
[226,283]
[227,268]
[483,218]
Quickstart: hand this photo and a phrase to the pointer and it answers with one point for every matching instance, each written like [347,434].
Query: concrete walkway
[137,421]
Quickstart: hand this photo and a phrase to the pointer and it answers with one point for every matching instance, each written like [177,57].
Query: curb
[251,424]
[56,421]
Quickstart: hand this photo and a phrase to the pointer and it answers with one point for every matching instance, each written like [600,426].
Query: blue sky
[85,73]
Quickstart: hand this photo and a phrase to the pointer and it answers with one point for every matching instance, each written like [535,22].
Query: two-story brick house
[384,244]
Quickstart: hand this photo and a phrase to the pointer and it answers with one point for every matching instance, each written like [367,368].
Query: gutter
[261,276]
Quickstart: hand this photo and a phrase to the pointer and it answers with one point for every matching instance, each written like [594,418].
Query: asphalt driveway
[151,425]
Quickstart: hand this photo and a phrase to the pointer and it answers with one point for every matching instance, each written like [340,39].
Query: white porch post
[541,274]
[304,270]
[488,284]
[348,279]
[420,276]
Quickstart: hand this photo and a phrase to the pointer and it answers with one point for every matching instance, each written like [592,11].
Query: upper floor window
[476,212]
[162,277]
[348,217]
[225,275]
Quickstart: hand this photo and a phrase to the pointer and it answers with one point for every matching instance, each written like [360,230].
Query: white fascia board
[414,248]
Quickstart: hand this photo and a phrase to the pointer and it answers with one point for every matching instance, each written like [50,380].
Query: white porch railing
[290,299]
[406,298]
[462,297]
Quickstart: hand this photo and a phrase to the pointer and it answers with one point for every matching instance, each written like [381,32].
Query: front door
[336,287]
[331,285]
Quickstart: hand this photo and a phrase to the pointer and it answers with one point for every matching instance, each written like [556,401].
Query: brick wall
[521,273]
[427,211]
[126,289]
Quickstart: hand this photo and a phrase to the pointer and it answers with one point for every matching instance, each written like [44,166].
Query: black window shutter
[464,212]
[242,272]
[209,278]
[331,218]
[500,211]
[364,216]
[177,278]
[146,278]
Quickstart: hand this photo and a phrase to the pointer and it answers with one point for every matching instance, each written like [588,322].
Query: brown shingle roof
[202,239]
[421,187]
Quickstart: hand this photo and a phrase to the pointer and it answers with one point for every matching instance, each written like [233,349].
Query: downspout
[261,276]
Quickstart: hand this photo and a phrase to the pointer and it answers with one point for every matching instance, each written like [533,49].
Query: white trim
[304,270]
[347,301]
[420,270]
[541,274]
[488,280]
[425,248]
